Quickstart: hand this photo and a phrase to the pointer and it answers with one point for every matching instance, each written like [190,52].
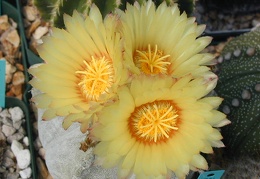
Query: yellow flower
[160,125]
[82,69]
[161,41]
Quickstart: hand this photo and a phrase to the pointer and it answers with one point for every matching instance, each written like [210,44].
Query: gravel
[15,155]
[222,15]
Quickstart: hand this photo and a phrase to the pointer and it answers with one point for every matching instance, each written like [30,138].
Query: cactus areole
[239,85]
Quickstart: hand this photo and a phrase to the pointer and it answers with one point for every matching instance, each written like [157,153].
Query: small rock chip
[26,141]
[2,136]
[5,114]
[39,32]
[3,19]
[17,124]
[8,122]
[23,158]
[9,153]
[33,27]
[30,12]
[16,147]
[12,175]
[26,173]
[16,136]
[18,78]
[8,130]
[17,89]
[42,153]
[37,143]
[13,38]
[16,114]
[8,162]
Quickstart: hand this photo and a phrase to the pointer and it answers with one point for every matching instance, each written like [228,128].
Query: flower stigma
[153,122]
[97,78]
[151,61]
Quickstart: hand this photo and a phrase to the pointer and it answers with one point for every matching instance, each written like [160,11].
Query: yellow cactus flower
[82,69]
[161,125]
[161,41]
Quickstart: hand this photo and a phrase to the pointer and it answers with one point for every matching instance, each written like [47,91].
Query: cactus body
[239,85]
[53,10]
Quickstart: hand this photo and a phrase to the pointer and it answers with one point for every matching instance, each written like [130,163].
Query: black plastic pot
[32,58]
[15,102]
[10,10]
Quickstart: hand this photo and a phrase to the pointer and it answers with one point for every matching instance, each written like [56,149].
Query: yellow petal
[42,100]
[128,161]
[199,161]
[68,120]
[49,114]
[64,102]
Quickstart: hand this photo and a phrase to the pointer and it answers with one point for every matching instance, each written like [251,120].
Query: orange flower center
[153,122]
[151,61]
[97,78]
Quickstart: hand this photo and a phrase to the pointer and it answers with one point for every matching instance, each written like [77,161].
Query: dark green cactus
[239,85]
[186,5]
[53,10]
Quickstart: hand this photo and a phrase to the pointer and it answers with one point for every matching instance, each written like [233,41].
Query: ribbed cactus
[239,85]
[53,10]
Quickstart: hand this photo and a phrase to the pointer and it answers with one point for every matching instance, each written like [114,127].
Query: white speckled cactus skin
[239,85]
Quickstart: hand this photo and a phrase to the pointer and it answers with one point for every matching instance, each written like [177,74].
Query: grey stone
[8,130]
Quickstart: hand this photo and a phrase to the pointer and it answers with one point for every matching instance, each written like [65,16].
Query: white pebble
[37,143]
[8,122]
[7,162]
[40,31]
[16,114]
[30,12]
[9,153]
[8,130]
[22,130]
[17,124]
[2,136]
[5,114]
[26,141]
[11,170]
[17,136]
[26,173]
[42,153]
[16,147]
[12,175]
[23,158]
